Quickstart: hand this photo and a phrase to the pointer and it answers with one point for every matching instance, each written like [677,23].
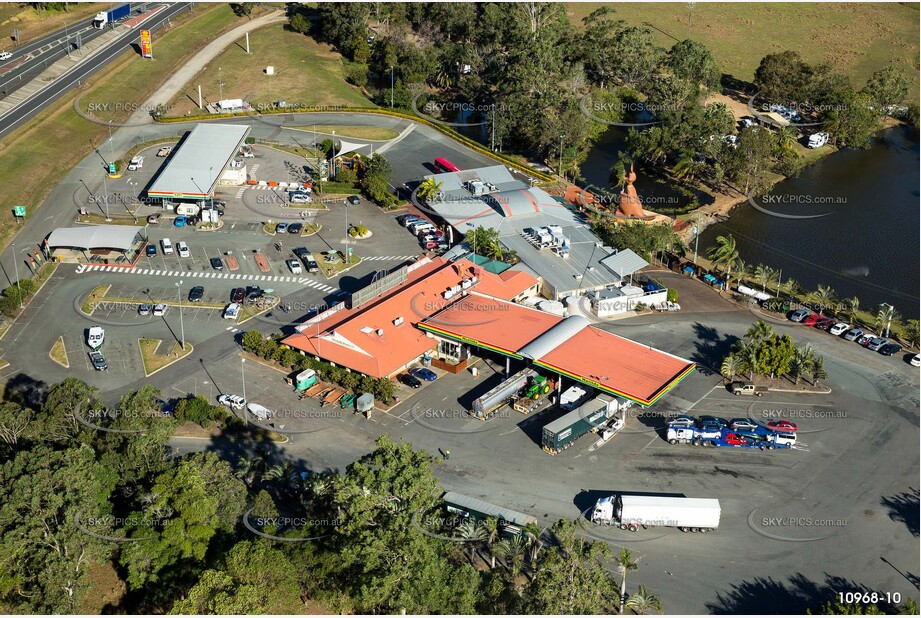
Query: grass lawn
[331,270]
[307,73]
[359,132]
[154,361]
[33,23]
[32,160]
[854,38]
[58,354]
[98,294]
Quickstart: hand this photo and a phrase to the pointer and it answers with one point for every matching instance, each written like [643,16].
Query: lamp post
[105,189]
[181,323]
[888,316]
[561,154]
[243,375]
[16,266]
[696,238]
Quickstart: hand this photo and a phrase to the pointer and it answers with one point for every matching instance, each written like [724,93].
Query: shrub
[346,176]
[356,73]
[672,295]
[357,230]
[250,140]
[198,410]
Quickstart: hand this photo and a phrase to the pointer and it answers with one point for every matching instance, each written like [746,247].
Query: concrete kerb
[147,375]
[29,301]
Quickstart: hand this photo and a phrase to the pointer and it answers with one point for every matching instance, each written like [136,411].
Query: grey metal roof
[120,237]
[198,163]
[624,263]
[554,337]
[481,506]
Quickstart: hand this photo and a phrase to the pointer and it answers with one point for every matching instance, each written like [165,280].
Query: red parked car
[810,320]
[782,425]
[825,323]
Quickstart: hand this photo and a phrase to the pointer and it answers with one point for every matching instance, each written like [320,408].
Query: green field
[856,39]
[307,73]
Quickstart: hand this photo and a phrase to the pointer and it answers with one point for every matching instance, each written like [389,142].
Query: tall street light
[243,375]
[561,154]
[391,87]
[16,265]
[181,323]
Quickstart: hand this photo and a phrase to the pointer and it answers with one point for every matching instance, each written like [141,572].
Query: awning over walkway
[121,237]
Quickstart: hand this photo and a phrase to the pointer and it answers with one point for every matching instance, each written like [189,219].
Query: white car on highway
[5,55]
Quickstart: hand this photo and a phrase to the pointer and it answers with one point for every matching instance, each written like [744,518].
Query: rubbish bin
[426,361]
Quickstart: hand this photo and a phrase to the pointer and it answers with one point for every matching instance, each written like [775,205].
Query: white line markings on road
[232,276]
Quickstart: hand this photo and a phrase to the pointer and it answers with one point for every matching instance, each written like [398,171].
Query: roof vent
[367,330]
[398,321]
[380,332]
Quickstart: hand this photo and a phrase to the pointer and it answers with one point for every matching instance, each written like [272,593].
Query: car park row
[844,330]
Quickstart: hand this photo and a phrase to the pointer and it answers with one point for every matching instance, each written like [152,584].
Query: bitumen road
[82,71]
[840,513]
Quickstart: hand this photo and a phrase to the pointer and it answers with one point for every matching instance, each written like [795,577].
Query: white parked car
[136,164]
[234,402]
[817,140]
[159,309]
[294,266]
[915,360]
[839,328]
[232,311]
[183,249]
[260,412]
[165,150]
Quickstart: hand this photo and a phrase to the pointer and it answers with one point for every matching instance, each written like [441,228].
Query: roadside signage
[19,211]
[146,48]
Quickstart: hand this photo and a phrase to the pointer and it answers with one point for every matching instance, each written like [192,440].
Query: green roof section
[489,265]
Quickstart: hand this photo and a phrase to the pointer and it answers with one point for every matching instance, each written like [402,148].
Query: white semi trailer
[632,512]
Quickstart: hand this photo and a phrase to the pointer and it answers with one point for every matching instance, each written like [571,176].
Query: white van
[183,249]
[421,226]
[167,246]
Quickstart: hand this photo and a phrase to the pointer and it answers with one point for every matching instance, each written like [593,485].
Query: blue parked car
[180,221]
[424,374]
[151,250]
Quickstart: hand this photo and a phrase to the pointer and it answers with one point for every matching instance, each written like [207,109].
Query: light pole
[243,375]
[111,146]
[696,238]
[561,154]
[105,188]
[16,265]
[888,315]
[181,323]
[391,87]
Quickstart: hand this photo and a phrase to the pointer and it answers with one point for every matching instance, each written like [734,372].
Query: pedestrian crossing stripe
[381,258]
[230,276]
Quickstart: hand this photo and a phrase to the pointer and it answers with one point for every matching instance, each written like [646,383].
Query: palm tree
[786,141]
[730,367]
[764,274]
[803,361]
[824,296]
[512,552]
[724,253]
[884,317]
[625,563]
[428,188]
[748,356]
[818,370]
[285,473]
[474,534]
[851,306]
[687,167]
[643,602]
[758,332]
[248,469]
[793,287]
[797,368]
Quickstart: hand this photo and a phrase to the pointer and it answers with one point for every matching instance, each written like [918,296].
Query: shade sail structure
[120,237]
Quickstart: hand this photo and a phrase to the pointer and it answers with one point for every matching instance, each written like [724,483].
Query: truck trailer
[589,417]
[111,16]
[632,512]
[492,400]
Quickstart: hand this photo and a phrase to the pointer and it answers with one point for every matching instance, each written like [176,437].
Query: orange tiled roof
[367,340]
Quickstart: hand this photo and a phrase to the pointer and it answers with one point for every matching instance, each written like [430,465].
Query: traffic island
[98,293]
[154,361]
[310,229]
[360,232]
[59,354]
[332,263]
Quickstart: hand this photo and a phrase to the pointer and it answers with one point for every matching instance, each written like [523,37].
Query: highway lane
[34,105]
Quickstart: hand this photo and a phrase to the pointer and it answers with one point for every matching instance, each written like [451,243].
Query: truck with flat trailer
[111,16]
[631,513]
[591,416]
